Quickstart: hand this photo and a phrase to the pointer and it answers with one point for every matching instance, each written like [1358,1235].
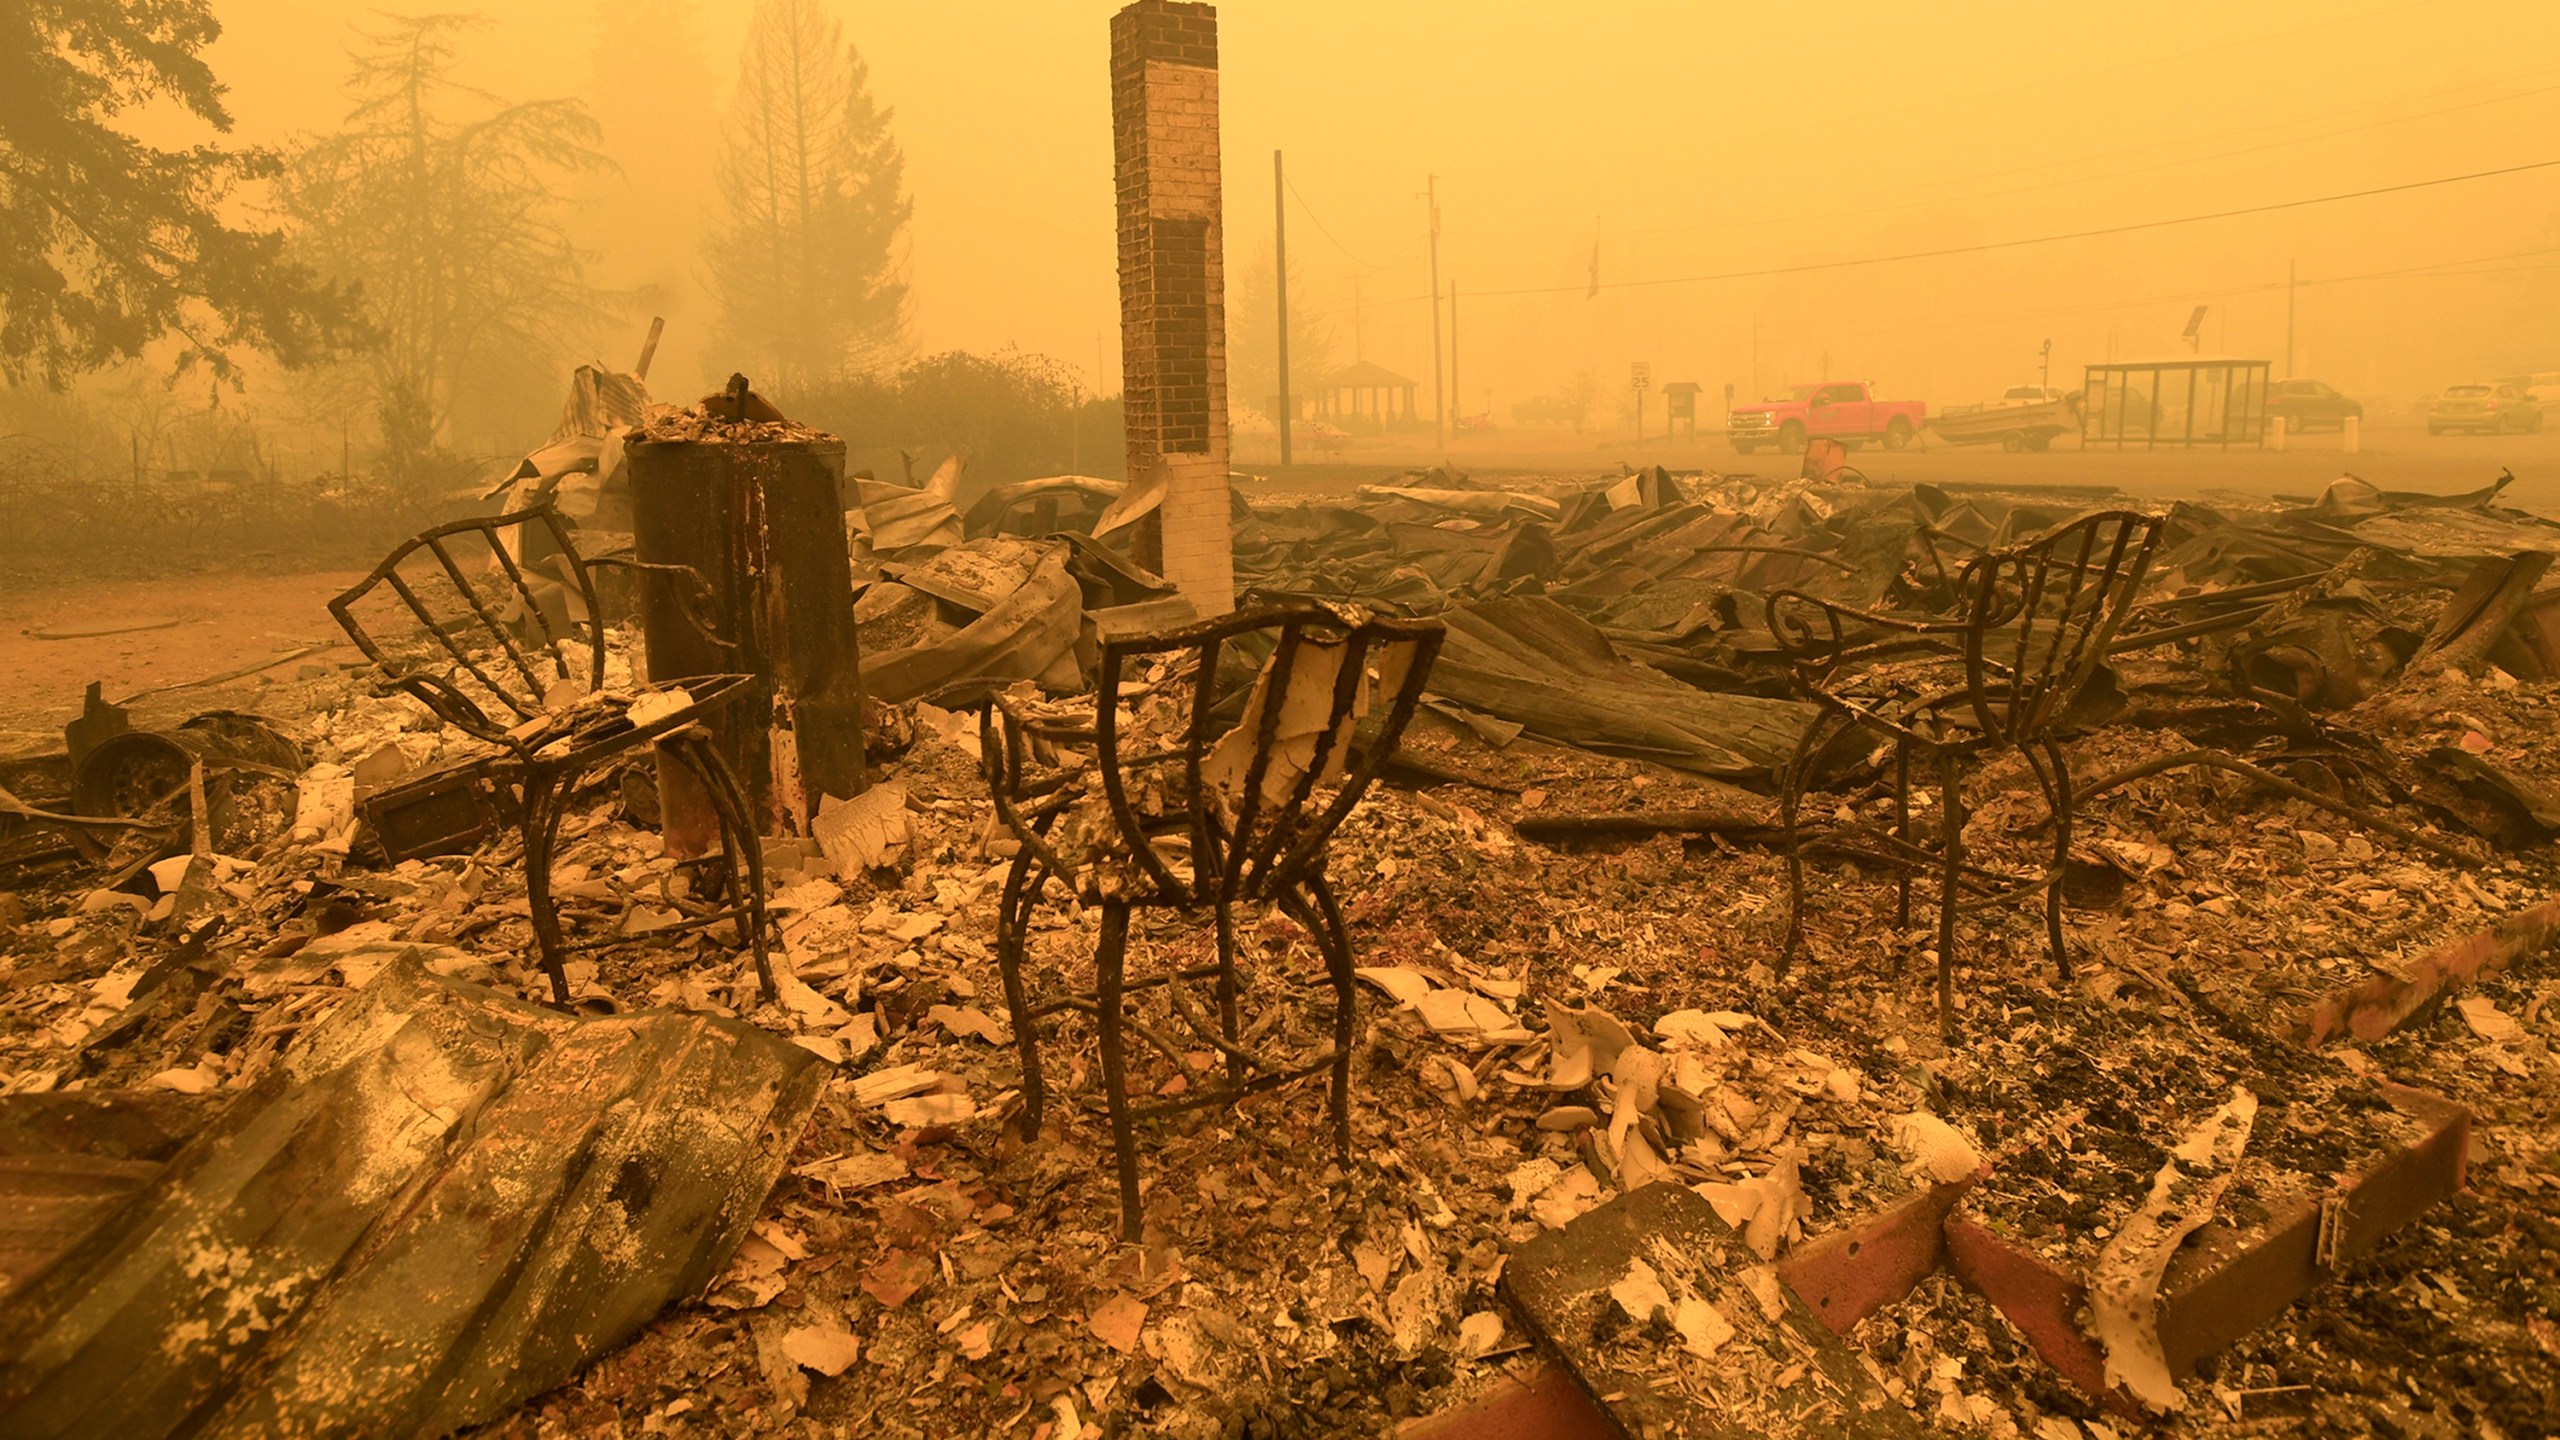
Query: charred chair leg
[544,794]
[1013,933]
[1951,862]
[1798,775]
[1346,1011]
[2053,770]
[1110,962]
[745,850]
[1902,830]
[1227,988]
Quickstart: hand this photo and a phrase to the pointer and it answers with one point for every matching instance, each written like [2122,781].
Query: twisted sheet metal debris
[442,1202]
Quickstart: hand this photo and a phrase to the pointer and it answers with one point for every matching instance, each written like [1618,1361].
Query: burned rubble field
[923,1270]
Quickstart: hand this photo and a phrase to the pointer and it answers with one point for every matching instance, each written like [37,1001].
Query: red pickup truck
[1842,410]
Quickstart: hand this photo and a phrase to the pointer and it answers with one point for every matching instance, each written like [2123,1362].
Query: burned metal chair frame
[2036,623]
[541,755]
[1260,852]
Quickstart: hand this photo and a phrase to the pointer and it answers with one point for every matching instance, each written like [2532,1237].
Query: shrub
[1015,416]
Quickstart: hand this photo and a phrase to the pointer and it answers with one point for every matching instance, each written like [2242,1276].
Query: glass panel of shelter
[2212,414]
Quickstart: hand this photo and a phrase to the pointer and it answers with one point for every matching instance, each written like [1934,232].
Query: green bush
[1015,416]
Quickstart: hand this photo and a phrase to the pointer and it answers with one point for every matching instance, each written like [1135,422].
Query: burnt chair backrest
[2040,614]
[466,630]
[1262,789]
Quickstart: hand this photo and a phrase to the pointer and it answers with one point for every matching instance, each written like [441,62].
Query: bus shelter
[2183,403]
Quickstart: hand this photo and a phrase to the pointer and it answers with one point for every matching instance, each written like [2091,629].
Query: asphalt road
[2394,458]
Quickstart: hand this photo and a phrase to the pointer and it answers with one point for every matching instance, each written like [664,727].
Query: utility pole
[1453,347]
[2044,369]
[1359,351]
[1439,408]
[1280,282]
[2288,318]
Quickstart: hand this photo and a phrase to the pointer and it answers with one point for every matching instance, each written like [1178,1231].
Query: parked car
[1839,410]
[2543,386]
[2490,409]
[2310,404]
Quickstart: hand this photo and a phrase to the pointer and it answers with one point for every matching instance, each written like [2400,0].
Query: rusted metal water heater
[738,525]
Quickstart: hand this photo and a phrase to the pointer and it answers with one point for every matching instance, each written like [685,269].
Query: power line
[1898,111]
[2443,269]
[1913,198]
[2437,270]
[1371,305]
[1318,222]
[2070,180]
[1817,265]
[2179,295]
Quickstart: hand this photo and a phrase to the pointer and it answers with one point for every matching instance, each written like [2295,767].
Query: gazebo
[1366,391]
[2184,402]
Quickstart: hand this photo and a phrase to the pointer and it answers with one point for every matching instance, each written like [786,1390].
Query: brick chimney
[1173,319]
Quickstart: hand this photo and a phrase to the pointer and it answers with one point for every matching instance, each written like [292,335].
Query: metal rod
[1229,1094]
[2219,760]
[488,618]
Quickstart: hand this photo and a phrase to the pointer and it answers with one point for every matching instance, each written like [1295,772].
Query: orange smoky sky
[1678,140]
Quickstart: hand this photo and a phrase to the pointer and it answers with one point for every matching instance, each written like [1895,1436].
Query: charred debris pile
[269,1047]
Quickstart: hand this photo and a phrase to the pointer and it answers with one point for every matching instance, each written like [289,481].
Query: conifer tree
[446,206]
[108,244]
[803,255]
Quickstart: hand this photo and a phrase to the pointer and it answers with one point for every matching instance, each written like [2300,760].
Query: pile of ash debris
[289,1130]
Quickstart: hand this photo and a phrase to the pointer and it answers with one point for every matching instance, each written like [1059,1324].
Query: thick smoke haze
[1679,140]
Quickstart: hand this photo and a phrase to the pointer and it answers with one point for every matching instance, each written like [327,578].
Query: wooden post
[1280,283]
[1439,401]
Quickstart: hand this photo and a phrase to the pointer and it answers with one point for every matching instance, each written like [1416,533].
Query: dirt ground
[139,635]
